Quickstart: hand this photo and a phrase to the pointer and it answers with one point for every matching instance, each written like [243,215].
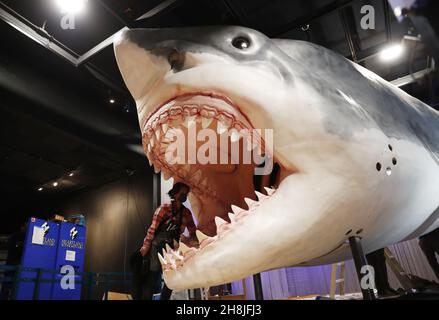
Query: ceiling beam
[400,82]
[315,15]
[116,15]
[43,38]
[351,35]
[35,33]
[107,42]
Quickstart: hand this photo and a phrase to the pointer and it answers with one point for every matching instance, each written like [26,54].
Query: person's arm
[188,222]
[157,218]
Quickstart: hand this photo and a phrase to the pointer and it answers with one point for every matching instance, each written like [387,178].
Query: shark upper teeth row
[162,130]
[187,116]
[173,259]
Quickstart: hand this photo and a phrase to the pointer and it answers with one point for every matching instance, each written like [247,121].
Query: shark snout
[144,63]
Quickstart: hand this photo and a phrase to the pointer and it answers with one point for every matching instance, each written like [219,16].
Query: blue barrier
[90,280]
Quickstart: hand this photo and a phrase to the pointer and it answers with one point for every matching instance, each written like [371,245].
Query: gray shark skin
[410,118]
[358,155]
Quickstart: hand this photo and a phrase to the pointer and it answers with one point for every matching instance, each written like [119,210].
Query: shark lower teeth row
[173,259]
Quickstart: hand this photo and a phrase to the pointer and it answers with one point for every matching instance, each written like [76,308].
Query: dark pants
[430,246]
[377,260]
[151,281]
[7,287]
[146,282]
[154,273]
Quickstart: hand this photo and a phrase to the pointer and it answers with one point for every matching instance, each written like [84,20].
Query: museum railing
[91,282]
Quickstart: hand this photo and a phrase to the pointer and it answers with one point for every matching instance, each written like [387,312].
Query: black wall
[117,216]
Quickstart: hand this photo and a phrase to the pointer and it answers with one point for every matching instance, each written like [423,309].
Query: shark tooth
[156,168]
[197,176]
[149,147]
[183,248]
[219,222]
[165,128]
[236,209]
[149,160]
[270,191]
[231,216]
[221,128]
[201,236]
[189,121]
[170,134]
[162,260]
[249,144]
[152,142]
[157,134]
[176,256]
[168,248]
[175,244]
[251,203]
[235,136]
[166,175]
[204,183]
[205,122]
[168,258]
[260,196]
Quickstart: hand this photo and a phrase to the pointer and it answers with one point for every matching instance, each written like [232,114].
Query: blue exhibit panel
[70,255]
[39,251]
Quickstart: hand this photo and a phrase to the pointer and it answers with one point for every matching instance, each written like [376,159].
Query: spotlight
[40,189]
[71,174]
[392,52]
[112,101]
[71,6]
[55,184]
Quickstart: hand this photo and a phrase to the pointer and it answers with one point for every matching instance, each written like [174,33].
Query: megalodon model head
[324,144]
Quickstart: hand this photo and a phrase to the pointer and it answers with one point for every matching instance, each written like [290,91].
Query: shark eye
[241,43]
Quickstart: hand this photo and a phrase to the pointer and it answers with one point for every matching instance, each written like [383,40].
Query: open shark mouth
[218,191]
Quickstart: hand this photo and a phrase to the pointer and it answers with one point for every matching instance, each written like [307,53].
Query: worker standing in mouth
[169,222]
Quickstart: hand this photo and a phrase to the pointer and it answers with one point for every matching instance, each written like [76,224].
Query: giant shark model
[357,155]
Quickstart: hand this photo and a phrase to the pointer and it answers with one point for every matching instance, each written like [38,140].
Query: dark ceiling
[56,116]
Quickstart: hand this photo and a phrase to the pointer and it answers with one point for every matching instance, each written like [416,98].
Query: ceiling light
[112,101]
[55,184]
[392,52]
[40,189]
[71,6]
[71,174]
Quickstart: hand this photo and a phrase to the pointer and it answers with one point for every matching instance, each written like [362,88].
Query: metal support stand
[156,190]
[258,286]
[258,183]
[360,261]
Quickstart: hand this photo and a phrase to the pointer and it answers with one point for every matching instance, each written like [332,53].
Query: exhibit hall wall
[117,216]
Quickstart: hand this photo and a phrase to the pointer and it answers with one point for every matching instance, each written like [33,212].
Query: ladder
[337,281]
[401,275]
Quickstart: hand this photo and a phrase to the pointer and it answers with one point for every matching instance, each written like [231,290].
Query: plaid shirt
[163,213]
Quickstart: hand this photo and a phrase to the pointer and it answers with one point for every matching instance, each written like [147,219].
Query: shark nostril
[390,147]
[176,60]
[347,233]
[394,161]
